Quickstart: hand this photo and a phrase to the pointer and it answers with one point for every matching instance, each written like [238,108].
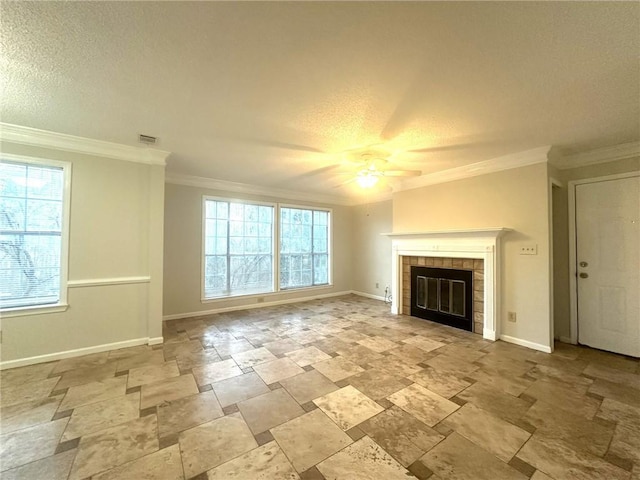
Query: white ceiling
[269,93]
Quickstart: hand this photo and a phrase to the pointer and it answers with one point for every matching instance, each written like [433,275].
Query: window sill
[266,294]
[34,310]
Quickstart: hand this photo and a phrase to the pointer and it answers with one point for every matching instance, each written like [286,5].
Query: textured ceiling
[273,93]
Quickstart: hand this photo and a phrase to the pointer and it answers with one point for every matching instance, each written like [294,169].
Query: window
[238,251]
[304,247]
[34,205]
[244,254]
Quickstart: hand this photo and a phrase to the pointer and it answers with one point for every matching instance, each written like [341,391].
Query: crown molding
[594,157]
[214,184]
[69,143]
[506,162]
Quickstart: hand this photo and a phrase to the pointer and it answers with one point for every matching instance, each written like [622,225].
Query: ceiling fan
[373,168]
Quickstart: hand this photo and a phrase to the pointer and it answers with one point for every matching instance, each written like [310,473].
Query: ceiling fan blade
[401,173]
[285,145]
[351,180]
[318,171]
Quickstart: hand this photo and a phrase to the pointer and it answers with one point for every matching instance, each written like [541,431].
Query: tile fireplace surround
[474,244]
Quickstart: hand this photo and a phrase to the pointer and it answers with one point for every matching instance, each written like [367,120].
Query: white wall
[516,199]
[115,233]
[371,257]
[183,253]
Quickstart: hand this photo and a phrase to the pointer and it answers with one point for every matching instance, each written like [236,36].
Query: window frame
[203,264]
[62,304]
[329,246]
[276,290]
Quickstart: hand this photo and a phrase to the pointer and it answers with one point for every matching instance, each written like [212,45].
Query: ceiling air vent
[147,139]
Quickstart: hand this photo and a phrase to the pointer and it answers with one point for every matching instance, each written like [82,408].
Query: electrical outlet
[529,249]
[377,285]
[512,317]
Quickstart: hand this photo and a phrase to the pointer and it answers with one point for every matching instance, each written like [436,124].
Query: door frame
[573,238]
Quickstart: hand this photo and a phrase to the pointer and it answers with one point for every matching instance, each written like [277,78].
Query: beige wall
[371,258]
[516,199]
[114,219]
[183,253]
[561,233]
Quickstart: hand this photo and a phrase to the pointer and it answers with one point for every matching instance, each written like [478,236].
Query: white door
[608,264]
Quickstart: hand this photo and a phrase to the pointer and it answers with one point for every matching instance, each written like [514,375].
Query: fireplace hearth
[443,295]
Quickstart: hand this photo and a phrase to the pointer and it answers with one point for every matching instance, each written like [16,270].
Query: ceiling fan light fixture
[367,180]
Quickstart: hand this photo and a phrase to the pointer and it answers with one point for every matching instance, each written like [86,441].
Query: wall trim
[600,155]
[213,184]
[201,313]
[506,162]
[368,295]
[70,143]
[100,282]
[50,357]
[526,343]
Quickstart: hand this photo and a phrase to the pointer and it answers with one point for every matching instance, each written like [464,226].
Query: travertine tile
[307,386]
[242,387]
[84,361]
[410,354]
[263,463]
[348,407]
[14,393]
[167,390]
[81,376]
[214,372]
[461,352]
[30,444]
[100,415]
[114,446]
[183,413]
[512,385]
[197,359]
[22,375]
[152,373]
[395,366]
[171,350]
[55,467]
[577,431]
[269,410]
[206,446]
[538,475]
[94,392]
[564,396]
[495,401]
[426,406]
[378,344]
[401,435]
[235,346]
[423,343]
[558,460]
[494,434]
[460,459]
[307,356]
[377,384]
[365,457]
[338,368]
[23,415]
[309,439]
[451,366]
[360,355]
[146,358]
[620,412]
[164,464]
[626,443]
[616,391]
[444,384]
[251,358]
[277,370]
[281,347]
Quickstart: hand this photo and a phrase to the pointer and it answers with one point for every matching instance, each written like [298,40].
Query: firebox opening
[443,295]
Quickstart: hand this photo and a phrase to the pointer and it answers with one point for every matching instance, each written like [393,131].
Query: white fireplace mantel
[483,243]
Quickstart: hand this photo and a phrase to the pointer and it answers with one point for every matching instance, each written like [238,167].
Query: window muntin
[33,207]
[238,250]
[304,247]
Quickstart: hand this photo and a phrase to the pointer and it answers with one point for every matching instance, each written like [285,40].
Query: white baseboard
[212,311]
[526,343]
[368,295]
[51,357]
[489,334]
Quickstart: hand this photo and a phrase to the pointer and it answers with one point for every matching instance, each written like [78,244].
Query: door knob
[584,275]
[584,264]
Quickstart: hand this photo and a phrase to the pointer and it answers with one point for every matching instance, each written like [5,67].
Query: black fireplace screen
[443,295]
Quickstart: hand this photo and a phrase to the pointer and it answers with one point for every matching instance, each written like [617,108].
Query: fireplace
[443,295]
[478,250]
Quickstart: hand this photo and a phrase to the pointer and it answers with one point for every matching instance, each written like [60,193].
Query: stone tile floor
[336,389]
